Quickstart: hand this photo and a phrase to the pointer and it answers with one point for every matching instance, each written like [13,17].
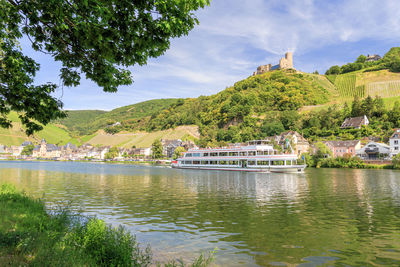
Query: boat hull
[222,169]
[278,169]
[286,169]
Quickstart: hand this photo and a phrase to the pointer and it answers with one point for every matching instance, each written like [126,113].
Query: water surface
[323,217]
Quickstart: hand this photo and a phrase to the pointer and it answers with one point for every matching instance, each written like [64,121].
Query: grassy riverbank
[30,236]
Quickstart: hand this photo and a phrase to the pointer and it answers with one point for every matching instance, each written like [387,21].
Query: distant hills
[241,112]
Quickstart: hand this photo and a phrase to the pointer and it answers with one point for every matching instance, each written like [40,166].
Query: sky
[236,36]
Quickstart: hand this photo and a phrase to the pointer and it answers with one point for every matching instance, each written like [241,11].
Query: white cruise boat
[257,156]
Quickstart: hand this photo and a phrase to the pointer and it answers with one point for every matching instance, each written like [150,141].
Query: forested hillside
[263,105]
[16,135]
[244,111]
[85,122]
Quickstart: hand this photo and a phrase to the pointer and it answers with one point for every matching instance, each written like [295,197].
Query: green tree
[112,153]
[97,39]
[157,149]
[356,109]
[27,150]
[396,161]
[361,59]
[380,108]
[333,70]
[270,128]
[368,106]
[178,152]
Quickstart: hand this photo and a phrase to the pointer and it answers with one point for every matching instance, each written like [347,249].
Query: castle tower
[287,61]
[289,58]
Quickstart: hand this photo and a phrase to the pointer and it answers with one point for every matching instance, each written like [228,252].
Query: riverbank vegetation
[29,236]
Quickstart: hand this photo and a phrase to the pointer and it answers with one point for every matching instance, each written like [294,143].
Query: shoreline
[33,235]
[384,166]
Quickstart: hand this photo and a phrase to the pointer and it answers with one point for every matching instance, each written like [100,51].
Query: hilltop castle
[284,63]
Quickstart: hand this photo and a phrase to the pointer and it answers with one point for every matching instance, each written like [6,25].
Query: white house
[374,151]
[394,143]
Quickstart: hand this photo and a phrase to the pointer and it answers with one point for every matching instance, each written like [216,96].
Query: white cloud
[235,36]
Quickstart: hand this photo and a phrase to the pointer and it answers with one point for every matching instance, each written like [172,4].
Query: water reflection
[339,217]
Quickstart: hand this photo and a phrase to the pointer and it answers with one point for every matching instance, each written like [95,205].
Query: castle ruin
[284,63]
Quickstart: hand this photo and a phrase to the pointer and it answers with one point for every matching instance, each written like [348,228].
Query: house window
[396,148]
[351,150]
[396,142]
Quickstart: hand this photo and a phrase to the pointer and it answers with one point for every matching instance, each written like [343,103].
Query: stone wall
[287,61]
[284,63]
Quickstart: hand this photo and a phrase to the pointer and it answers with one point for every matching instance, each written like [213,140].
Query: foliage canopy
[97,39]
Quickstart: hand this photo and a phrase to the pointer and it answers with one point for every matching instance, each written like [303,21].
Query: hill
[87,122]
[77,120]
[379,77]
[51,132]
[253,108]
[239,113]
[143,139]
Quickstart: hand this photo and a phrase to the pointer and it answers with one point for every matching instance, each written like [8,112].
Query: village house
[3,149]
[374,151]
[355,122]
[141,151]
[45,150]
[373,58]
[299,144]
[169,146]
[342,148]
[394,143]
[68,151]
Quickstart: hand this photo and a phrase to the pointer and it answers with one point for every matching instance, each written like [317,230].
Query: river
[322,217]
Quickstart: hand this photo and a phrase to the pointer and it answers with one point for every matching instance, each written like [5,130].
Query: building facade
[394,143]
[374,151]
[343,148]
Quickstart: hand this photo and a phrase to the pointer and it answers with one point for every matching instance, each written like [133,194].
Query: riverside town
[199,133]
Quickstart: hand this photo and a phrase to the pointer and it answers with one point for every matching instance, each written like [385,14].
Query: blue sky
[236,36]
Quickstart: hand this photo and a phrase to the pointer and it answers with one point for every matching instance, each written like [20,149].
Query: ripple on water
[326,216]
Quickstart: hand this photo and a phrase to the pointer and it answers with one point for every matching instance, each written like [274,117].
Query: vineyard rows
[384,89]
[346,85]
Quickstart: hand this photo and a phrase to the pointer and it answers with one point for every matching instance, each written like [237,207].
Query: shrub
[109,246]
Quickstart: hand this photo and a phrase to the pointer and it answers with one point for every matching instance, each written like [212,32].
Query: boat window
[233,154]
[223,162]
[260,152]
[187,162]
[196,161]
[213,162]
[205,154]
[288,162]
[223,154]
[188,155]
[251,162]
[214,154]
[262,162]
[252,153]
[277,162]
[243,153]
[266,152]
[196,154]
[233,162]
[204,162]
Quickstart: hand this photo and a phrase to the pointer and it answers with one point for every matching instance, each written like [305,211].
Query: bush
[109,246]
[29,236]
[343,162]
